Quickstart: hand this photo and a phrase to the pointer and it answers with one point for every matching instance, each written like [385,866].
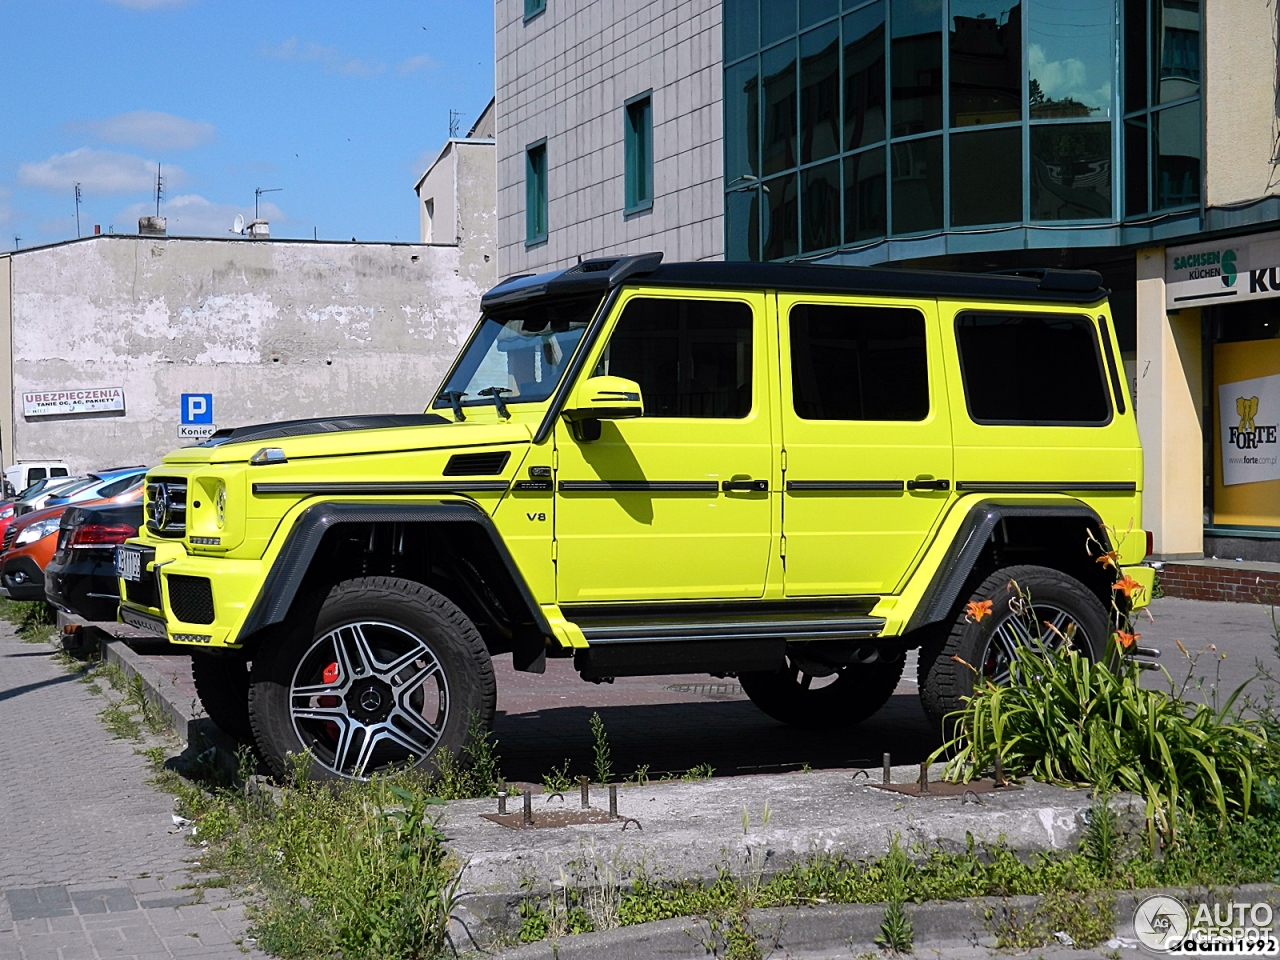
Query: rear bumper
[86,586]
[1146,578]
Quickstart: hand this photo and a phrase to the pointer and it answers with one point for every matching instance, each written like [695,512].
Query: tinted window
[123,485]
[58,472]
[858,363]
[34,474]
[692,358]
[1040,369]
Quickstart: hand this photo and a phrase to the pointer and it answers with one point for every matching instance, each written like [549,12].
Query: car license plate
[129,563]
[143,621]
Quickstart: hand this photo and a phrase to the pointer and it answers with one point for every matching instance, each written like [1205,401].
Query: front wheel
[222,683]
[392,674]
[1045,611]
[806,694]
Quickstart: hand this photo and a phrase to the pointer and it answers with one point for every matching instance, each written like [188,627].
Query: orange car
[30,543]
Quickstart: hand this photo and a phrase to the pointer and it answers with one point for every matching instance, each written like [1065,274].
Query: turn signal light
[89,535]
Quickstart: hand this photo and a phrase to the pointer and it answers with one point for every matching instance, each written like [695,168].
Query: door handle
[929,484]
[745,486]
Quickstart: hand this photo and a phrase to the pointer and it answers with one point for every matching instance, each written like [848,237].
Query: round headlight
[220,505]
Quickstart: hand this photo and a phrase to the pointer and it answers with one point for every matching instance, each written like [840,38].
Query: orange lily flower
[1128,586]
[1109,559]
[1126,640]
[975,610]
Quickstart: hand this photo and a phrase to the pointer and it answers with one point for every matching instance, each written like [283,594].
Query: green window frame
[533,7]
[638,152]
[535,193]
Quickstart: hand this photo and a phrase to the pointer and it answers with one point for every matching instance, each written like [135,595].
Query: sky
[340,105]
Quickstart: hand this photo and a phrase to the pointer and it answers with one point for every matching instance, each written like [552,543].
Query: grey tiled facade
[564,75]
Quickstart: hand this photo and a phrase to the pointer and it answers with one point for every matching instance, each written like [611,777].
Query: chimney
[97,229]
[152,226]
[258,228]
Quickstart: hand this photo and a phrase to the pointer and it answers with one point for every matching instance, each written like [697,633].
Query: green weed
[604,768]
[703,771]
[558,779]
[35,620]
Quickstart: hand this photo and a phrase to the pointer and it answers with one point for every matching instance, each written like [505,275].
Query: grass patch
[35,620]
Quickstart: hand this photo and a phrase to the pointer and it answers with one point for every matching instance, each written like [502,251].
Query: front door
[643,513]
[867,441]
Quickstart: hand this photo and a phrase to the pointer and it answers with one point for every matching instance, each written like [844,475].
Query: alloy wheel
[1014,633]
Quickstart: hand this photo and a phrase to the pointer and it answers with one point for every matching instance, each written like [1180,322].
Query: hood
[350,436]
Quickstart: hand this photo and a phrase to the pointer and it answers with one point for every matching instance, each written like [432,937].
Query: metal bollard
[502,803]
[924,777]
[528,808]
[584,786]
[613,800]
[887,764]
[999,777]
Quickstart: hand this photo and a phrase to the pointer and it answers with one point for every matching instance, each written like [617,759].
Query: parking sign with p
[197,408]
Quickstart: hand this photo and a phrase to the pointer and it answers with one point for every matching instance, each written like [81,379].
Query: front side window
[1036,369]
[858,363]
[522,350]
[691,358]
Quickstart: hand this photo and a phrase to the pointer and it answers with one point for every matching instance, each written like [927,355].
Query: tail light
[89,535]
[1151,544]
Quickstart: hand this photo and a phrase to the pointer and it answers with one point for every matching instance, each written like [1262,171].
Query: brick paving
[88,866]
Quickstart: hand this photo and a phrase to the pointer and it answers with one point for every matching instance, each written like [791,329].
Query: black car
[81,577]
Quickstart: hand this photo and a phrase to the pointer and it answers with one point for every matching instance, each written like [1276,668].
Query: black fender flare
[280,588]
[943,592]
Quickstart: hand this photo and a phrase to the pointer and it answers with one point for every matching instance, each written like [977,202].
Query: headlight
[38,530]
[220,505]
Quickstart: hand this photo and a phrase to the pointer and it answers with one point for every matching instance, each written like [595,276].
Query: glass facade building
[850,122]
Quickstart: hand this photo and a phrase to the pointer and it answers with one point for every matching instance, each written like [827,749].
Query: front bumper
[23,579]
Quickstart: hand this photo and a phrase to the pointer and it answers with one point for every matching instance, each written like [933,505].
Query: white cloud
[151,129]
[191,215]
[331,58]
[148,4]
[421,62]
[1066,78]
[97,171]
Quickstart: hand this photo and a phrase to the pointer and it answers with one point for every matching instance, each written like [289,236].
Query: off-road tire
[944,681]
[222,682]
[406,605]
[856,694]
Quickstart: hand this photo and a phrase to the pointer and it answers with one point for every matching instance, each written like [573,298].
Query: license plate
[143,621]
[129,563]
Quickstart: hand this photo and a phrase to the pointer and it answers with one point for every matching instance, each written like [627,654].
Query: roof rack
[596,274]
[1057,279]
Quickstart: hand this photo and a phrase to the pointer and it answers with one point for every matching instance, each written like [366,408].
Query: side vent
[477,464]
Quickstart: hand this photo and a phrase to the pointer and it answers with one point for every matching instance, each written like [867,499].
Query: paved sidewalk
[88,866]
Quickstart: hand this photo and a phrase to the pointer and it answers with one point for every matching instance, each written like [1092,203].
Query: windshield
[522,350]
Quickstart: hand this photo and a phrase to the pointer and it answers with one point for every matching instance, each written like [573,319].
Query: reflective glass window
[1071,171]
[864,77]
[741,122]
[917,185]
[820,93]
[864,196]
[986,177]
[858,363]
[782,218]
[778,68]
[815,11]
[820,206]
[1135,55]
[741,28]
[985,51]
[1176,138]
[1071,57]
[1175,49]
[777,20]
[915,66]
[742,225]
[1136,167]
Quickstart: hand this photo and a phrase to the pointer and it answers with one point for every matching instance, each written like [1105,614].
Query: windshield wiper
[496,393]
[455,400]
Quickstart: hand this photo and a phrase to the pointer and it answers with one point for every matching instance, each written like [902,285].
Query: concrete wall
[273,329]
[565,75]
[1241,101]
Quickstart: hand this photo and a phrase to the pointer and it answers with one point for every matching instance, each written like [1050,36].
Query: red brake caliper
[330,676]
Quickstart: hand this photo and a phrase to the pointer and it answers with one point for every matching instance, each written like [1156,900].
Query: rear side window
[34,474]
[1039,369]
[58,472]
[117,487]
[692,358]
[858,363]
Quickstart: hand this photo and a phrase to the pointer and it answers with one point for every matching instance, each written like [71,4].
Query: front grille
[9,536]
[191,598]
[166,506]
[476,464]
[143,592]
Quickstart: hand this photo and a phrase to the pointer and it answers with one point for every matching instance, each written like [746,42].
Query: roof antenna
[455,117]
[579,258]
[77,211]
[257,194]
[159,189]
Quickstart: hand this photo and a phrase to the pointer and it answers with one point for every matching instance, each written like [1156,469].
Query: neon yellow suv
[791,474]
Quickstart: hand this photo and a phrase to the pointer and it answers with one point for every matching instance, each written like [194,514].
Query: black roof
[1076,287]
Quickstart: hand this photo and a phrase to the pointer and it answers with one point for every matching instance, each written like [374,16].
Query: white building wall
[564,75]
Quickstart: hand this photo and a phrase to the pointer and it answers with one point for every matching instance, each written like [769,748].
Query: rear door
[867,439]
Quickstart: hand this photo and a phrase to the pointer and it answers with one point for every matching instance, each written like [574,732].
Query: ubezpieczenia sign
[1248,412]
[61,402]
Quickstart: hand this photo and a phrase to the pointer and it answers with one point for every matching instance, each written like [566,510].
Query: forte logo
[1249,436]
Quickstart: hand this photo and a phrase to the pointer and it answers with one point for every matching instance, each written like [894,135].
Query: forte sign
[1228,271]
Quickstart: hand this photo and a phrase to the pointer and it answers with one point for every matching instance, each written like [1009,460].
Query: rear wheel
[222,682]
[391,674]
[1057,610]
[807,694]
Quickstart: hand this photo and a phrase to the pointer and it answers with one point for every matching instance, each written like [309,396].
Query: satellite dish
[238,226]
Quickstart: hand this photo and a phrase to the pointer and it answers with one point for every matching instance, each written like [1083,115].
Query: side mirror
[602,398]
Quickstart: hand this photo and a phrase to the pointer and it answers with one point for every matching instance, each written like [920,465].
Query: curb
[841,927]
